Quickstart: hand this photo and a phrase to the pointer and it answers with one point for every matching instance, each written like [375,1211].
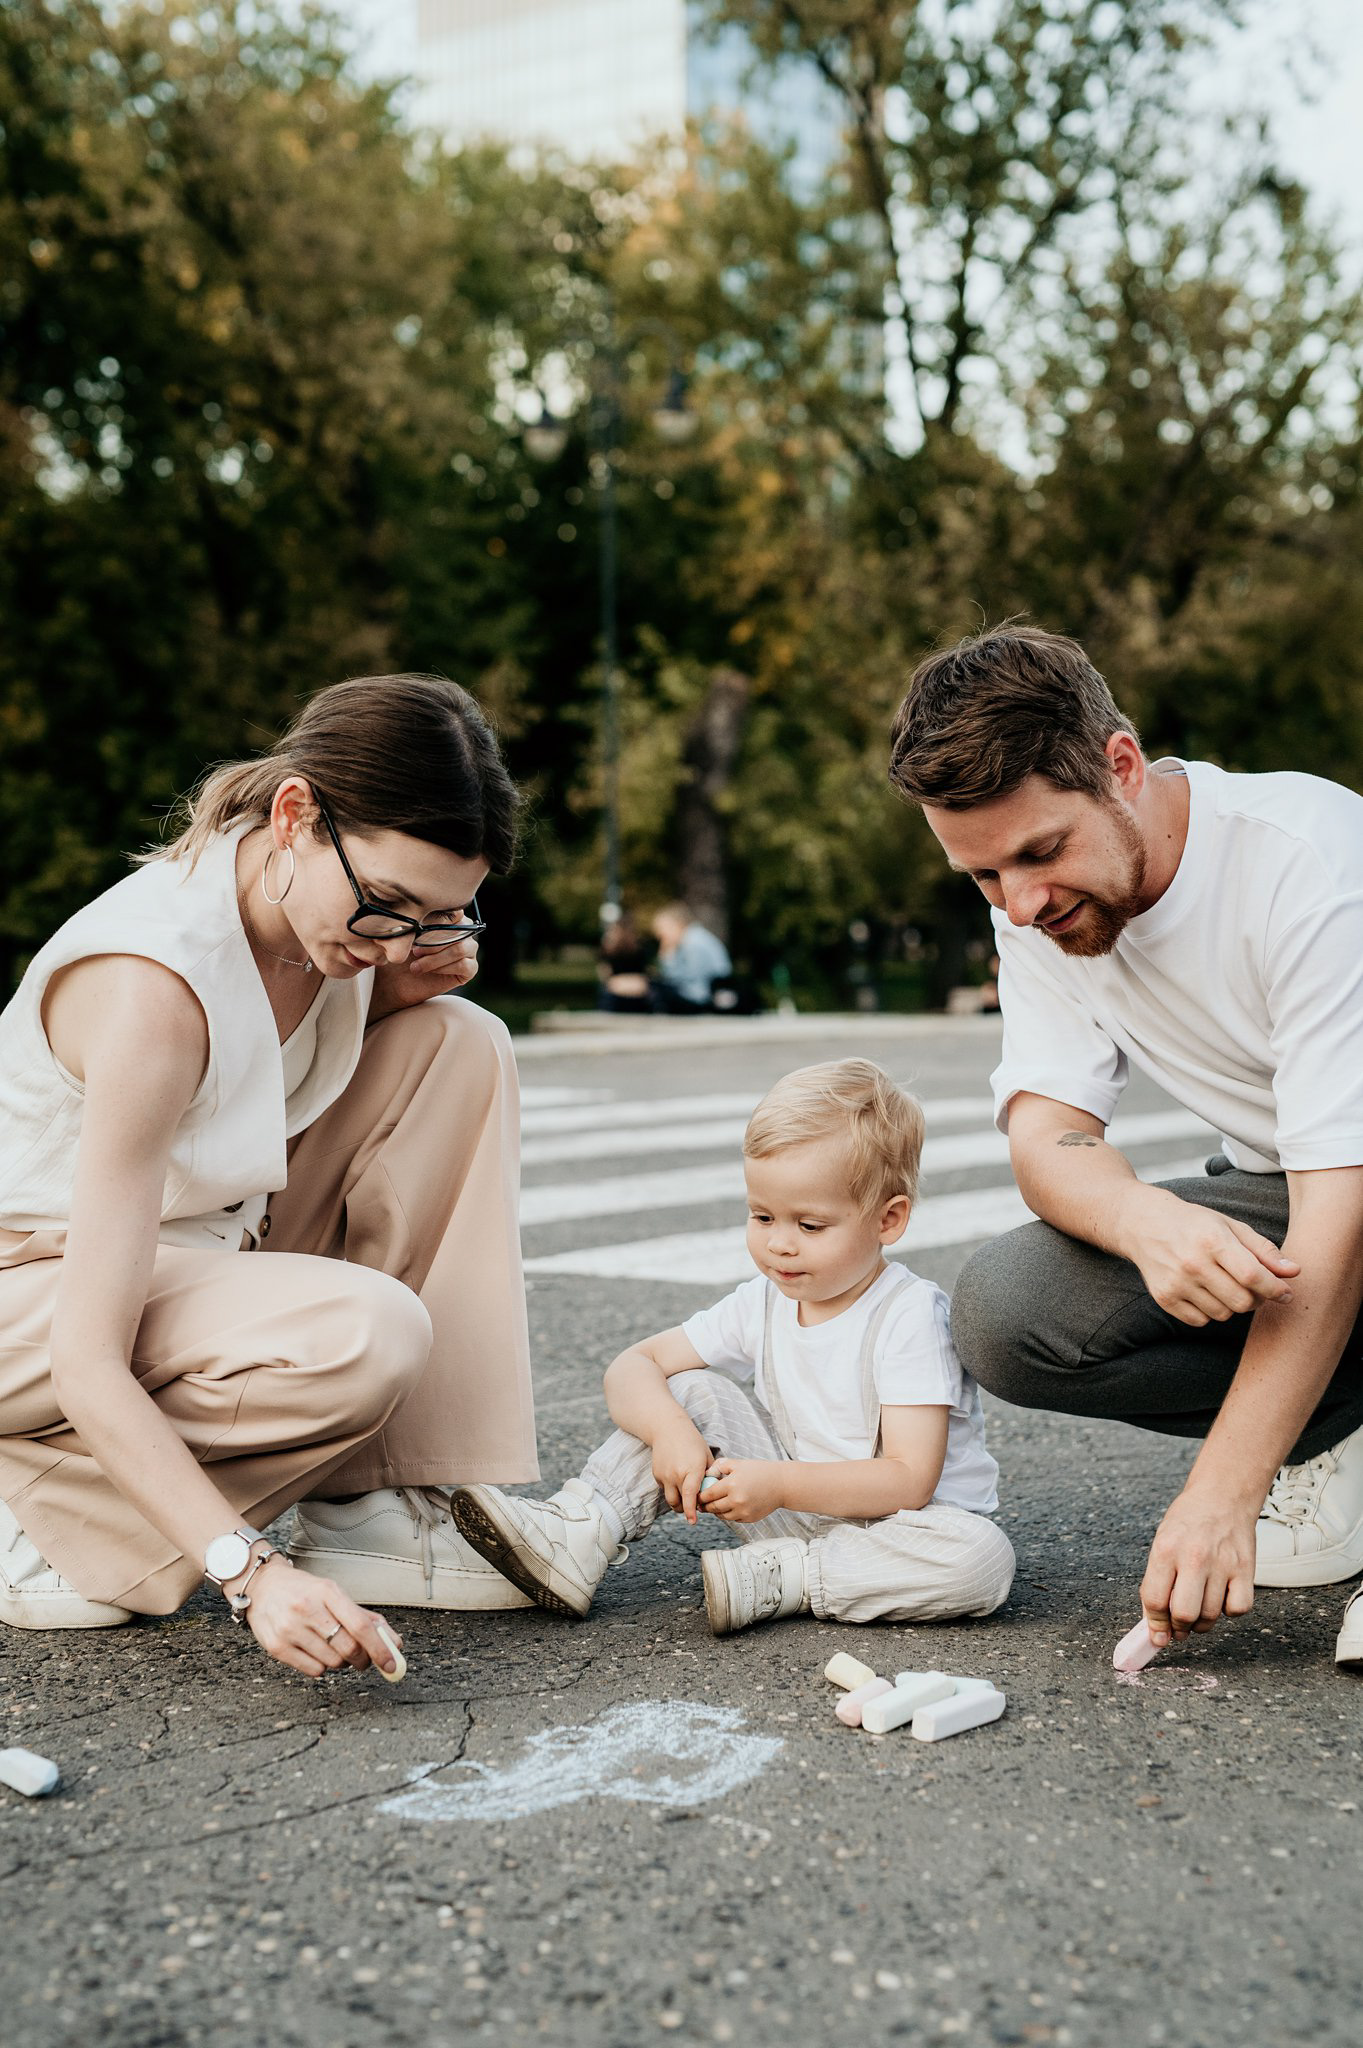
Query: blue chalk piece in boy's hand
[710,1479]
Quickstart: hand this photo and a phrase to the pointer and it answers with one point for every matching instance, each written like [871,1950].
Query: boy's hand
[749,1489]
[681,1459]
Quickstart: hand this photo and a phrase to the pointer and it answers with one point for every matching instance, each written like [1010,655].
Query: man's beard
[1104,918]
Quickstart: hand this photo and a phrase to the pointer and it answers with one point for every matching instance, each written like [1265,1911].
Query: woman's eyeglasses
[377,921]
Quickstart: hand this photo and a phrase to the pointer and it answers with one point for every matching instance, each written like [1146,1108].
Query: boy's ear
[894,1219]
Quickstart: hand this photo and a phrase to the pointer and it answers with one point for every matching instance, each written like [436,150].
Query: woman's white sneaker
[33,1595]
[397,1547]
[756,1582]
[1310,1532]
[1349,1648]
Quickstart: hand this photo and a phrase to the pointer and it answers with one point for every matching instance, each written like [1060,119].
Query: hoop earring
[266,869]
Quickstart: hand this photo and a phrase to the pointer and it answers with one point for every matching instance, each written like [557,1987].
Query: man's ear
[894,1219]
[1127,763]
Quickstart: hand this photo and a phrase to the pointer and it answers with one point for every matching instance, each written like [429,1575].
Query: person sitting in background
[622,965]
[690,961]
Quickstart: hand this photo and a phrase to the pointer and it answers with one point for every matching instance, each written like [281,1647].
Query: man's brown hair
[1010,702]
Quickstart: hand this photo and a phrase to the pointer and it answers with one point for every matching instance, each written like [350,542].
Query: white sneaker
[1310,1531]
[756,1582]
[556,1550]
[1349,1648]
[33,1595]
[396,1547]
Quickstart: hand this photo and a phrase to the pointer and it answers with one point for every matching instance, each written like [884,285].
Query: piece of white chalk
[32,1775]
[902,1702]
[954,1716]
[973,1684]
[921,1688]
[847,1672]
[1135,1649]
[396,1676]
[848,1708]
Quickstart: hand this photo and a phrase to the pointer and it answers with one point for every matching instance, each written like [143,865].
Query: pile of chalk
[934,1704]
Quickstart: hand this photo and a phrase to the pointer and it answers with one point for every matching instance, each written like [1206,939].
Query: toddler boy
[855,1470]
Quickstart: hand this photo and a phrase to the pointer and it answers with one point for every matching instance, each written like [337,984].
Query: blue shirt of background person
[691,959]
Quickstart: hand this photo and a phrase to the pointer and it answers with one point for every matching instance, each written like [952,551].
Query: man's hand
[1200,1266]
[681,1459]
[1201,1566]
[430,971]
[749,1489]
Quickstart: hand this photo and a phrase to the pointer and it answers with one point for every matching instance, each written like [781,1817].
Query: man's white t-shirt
[819,1370]
[1240,991]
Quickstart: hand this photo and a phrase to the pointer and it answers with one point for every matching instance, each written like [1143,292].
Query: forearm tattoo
[1079,1138]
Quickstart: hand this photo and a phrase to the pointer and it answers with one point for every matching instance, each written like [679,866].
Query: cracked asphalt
[607,1832]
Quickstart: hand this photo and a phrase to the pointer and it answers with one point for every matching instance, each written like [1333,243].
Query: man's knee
[989,1316]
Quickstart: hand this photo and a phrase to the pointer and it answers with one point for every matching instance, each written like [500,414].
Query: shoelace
[766,1578]
[1296,1490]
[429,1508]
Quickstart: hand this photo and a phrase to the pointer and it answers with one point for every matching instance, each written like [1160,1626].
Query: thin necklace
[306,965]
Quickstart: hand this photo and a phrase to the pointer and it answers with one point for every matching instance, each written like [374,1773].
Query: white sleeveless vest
[228,1153]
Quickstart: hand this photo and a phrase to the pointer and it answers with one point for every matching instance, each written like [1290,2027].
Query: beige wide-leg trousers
[377,1339]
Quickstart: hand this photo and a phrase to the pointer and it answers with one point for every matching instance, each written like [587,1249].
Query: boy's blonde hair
[854,1100]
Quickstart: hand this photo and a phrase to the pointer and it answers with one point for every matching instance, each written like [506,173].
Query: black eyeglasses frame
[408,926]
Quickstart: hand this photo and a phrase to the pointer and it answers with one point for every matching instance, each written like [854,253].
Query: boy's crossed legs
[928,1564]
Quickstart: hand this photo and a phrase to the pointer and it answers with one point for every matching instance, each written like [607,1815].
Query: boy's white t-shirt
[1240,991]
[819,1369]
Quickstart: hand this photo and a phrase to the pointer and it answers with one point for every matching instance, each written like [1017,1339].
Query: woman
[257,1200]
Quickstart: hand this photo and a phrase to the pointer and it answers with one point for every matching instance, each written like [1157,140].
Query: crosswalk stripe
[721,1256]
[681,1187]
[545,1119]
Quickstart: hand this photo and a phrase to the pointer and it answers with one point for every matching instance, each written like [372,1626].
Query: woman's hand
[749,1489]
[681,1459]
[294,1617]
[432,971]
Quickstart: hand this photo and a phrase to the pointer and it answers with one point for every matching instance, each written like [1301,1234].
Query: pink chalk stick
[1135,1650]
[848,1709]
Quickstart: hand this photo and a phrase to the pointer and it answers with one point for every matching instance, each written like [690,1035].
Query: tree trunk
[710,754]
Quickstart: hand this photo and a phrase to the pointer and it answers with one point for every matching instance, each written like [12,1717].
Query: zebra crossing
[621,1169]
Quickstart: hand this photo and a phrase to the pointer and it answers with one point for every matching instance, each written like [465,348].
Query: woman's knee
[380,1339]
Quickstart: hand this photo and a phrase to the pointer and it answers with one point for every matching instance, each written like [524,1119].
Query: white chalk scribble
[654,1752]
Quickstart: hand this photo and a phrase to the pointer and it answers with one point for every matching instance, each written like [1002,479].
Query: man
[690,961]
[1208,929]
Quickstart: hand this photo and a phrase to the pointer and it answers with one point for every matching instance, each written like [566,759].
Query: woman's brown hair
[407,754]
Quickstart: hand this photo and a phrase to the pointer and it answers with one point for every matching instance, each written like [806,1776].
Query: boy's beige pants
[378,1338]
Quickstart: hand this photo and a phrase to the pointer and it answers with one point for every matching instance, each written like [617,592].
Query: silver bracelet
[240,1601]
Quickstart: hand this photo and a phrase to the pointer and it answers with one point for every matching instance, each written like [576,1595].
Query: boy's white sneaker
[555,1550]
[397,1547]
[756,1582]
[33,1595]
[1310,1531]
[1349,1647]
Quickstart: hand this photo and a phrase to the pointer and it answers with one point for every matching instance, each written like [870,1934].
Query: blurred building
[596,78]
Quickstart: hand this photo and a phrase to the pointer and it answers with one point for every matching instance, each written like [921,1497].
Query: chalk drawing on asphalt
[652,1752]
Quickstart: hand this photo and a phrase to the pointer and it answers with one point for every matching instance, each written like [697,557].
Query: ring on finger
[330,1638]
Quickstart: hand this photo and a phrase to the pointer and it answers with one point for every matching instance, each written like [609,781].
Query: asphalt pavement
[602,1833]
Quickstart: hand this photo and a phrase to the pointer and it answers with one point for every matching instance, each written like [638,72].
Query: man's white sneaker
[397,1547]
[1310,1532]
[556,1550]
[756,1582]
[33,1595]
[1349,1647]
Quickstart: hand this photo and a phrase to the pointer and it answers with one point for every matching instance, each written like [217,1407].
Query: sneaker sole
[716,1582]
[500,1545]
[395,1582]
[57,1614]
[1343,1560]
[1349,1648]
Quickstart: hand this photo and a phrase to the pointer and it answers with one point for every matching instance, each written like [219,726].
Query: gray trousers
[928,1564]
[1045,1321]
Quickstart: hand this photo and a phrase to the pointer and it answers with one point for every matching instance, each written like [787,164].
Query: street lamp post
[673,422]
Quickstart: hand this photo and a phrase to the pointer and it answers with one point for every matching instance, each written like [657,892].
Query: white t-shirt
[1240,991]
[819,1369]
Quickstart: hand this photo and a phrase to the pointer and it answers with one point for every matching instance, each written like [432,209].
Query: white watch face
[226,1557]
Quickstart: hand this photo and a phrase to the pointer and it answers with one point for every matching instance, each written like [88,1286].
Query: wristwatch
[228,1556]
